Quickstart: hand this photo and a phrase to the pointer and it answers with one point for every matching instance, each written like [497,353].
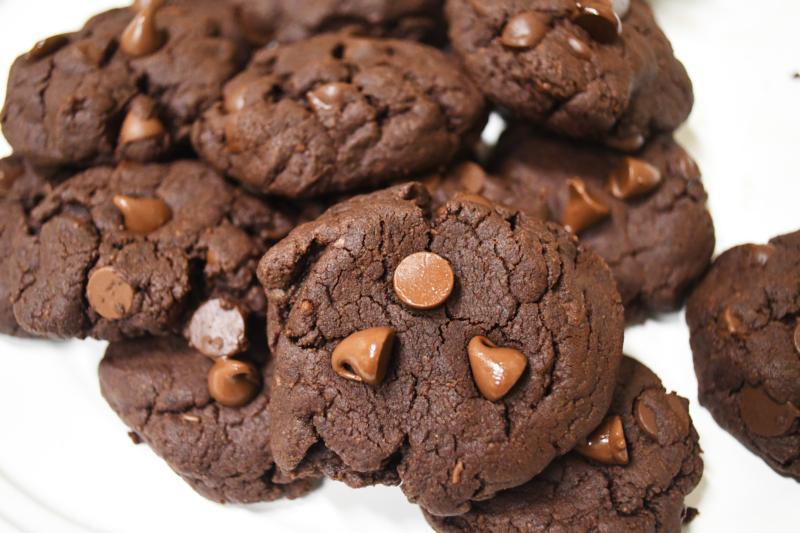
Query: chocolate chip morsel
[125,251]
[102,92]
[335,113]
[645,213]
[586,70]
[642,494]
[744,319]
[158,387]
[455,419]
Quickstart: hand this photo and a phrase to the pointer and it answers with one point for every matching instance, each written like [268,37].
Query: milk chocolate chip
[424,280]
[329,96]
[109,294]
[495,370]
[45,47]
[650,408]
[525,30]
[764,416]
[581,209]
[218,329]
[141,37]
[142,215]
[233,383]
[139,126]
[364,355]
[607,444]
[599,20]
[634,178]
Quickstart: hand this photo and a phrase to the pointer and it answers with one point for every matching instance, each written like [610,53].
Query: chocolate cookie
[463,350]
[644,214]
[121,252]
[594,69]
[160,389]
[632,475]
[285,21]
[126,86]
[745,334]
[335,113]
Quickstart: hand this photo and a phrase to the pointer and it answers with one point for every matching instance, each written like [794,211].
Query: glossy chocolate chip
[607,444]
[364,356]
[142,37]
[424,280]
[142,215]
[680,410]
[582,210]
[329,96]
[764,416]
[646,418]
[138,126]
[634,177]
[109,294]
[495,370]
[599,20]
[45,47]
[650,410]
[525,30]
[233,383]
[218,328]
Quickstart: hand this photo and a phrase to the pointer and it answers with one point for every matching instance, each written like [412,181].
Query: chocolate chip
[621,7]
[364,356]
[797,337]
[471,177]
[233,383]
[45,47]
[8,175]
[582,209]
[646,418]
[579,48]
[473,199]
[137,127]
[142,215]
[329,96]
[607,444]
[141,37]
[764,416]
[495,370]
[680,408]
[599,20]
[525,30]
[218,328]
[109,294]
[650,410]
[634,177]
[626,144]
[423,280]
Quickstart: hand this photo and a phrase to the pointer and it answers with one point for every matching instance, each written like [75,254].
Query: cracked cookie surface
[657,243]
[578,494]
[745,335]
[335,113]
[522,283]
[620,93]
[158,388]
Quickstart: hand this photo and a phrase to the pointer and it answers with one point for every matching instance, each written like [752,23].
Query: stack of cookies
[309,265]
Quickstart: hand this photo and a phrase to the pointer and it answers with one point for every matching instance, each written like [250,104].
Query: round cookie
[638,489]
[335,113]
[745,334]
[463,350]
[284,21]
[645,214]
[537,61]
[121,252]
[108,93]
[158,387]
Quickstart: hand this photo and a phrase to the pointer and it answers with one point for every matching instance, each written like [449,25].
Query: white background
[67,465]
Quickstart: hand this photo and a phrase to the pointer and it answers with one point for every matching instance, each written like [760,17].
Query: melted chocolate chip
[142,215]
[607,444]
[142,37]
[582,209]
[764,416]
[634,177]
[218,329]
[109,294]
[233,383]
[424,280]
[136,127]
[495,370]
[364,355]
[599,20]
[329,96]
[525,30]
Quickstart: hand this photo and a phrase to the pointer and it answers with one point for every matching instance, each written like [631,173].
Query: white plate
[66,464]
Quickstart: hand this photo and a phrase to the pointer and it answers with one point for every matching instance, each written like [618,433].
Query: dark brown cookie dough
[644,214]
[121,252]
[537,61]
[336,113]
[353,296]
[158,387]
[285,21]
[102,94]
[745,334]
[662,465]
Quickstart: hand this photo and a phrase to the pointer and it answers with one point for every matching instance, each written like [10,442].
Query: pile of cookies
[309,265]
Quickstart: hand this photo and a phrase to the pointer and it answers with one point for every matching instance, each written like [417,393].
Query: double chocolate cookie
[463,350]
[632,475]
[172,399]
[745,334]
[127,86]
[592,69]
[335,113]
[122,252]
[645,214]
